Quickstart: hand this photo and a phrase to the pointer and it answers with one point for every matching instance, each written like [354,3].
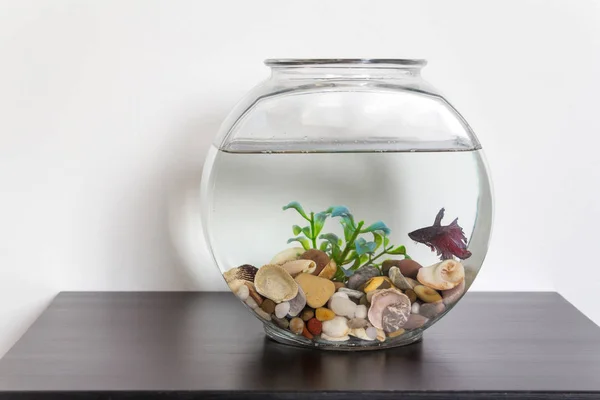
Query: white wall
[108,107]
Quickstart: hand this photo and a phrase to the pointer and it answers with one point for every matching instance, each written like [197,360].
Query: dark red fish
[447,240]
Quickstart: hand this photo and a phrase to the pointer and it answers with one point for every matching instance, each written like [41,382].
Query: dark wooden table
[206,345]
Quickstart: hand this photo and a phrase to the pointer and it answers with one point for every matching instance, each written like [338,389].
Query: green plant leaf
[331,238]
[364,247]
[407,257]
[296,206]
[324,246]
[296,229]
[303,241]
[336,253]
[378,239]
[377,227]
[398,250]
[358,262]
[319,222]
[386,241]
[348,231]
[307,232]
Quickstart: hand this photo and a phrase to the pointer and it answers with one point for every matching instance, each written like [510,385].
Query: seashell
[427,294]
[384,298]
[298,303]
[355,294]
[298,266]
[360,333]
[380,335]
[244,272]
[273,282]
[329,271]
[451,296]
[242,293]
[324,336]
[317,290]
[395,316]
[399,280]
[287,255]
[377,283]
[320,258]
[236,284]
[442,276]
[431,310]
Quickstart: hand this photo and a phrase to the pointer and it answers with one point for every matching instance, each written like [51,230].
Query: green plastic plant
[353,250]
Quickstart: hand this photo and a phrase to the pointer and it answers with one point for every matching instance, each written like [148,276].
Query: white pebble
[261,313]
[415,308]
[282,309]
[336,327]
[336,294]
[343,307]
[251,303]
[361,311]
[371,332]
[243,292]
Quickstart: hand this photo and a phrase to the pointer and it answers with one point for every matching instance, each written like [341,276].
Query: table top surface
[166,342]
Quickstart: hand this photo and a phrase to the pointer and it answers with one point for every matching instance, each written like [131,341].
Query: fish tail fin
[438,218]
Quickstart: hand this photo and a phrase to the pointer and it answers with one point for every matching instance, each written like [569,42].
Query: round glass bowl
[347,203]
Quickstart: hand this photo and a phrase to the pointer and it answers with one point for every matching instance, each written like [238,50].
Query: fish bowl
[346,203]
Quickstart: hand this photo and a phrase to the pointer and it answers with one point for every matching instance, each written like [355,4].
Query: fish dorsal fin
[438,218]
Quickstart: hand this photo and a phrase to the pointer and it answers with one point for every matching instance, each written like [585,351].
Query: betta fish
[447,240]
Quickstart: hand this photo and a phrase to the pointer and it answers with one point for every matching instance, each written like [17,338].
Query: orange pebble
[306,333]
[324,314]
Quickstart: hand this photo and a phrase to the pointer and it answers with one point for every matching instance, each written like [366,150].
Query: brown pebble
[314,326]
[306,333]
[319,257]
[412,296]
[339,285]
[364,301]
[296,325]
[408,268]
[281,322]
[307,314]
[268,306]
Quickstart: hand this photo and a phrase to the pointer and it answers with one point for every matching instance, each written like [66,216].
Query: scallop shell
[275,283]
[442,276]
[381,300]
[244,272]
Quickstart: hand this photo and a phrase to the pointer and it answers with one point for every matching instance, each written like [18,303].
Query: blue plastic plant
[353,249]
